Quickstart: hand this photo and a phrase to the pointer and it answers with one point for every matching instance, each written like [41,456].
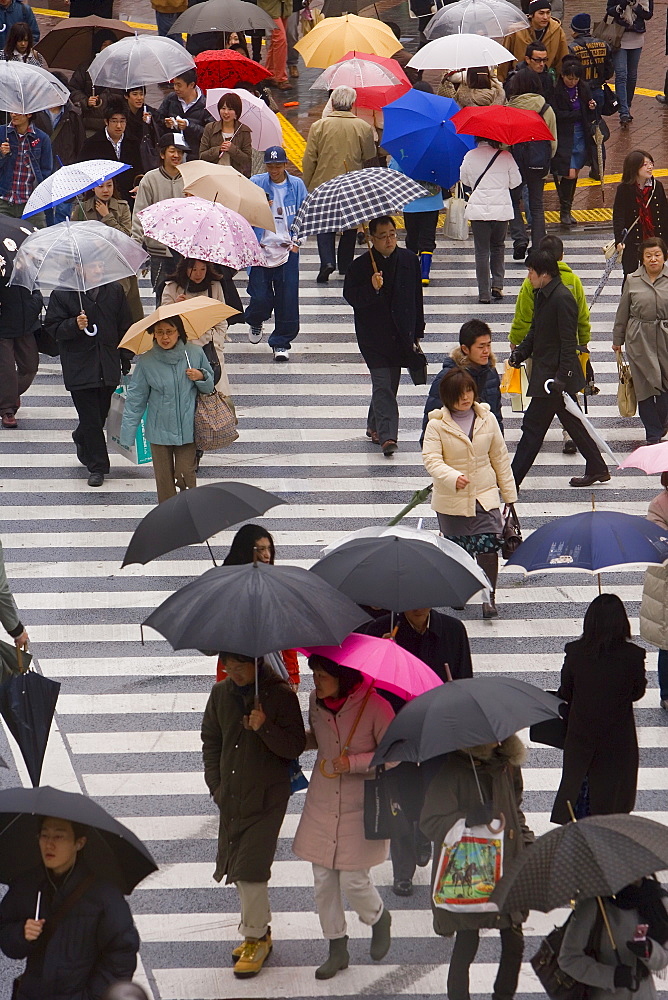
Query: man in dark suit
[112,144]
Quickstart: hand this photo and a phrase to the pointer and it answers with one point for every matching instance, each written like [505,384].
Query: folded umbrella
[652,459]
[610,265]
[70,43]
[198,314]
[25,89]
[226,67]
[69,181]
[9,660]
[111,850]
[27,704]
[262,121]
[225,185]
[419,133]
[138,61]
[502,123]
[600,442]
[374,84]
[194,516]
[222,15]
[329,40]
[460,52]
[493,18]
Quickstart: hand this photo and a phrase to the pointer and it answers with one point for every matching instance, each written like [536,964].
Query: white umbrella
[457,52]
[25,89]
[493,18]
[139,60]
[264,124]
[69,181]
[573,408]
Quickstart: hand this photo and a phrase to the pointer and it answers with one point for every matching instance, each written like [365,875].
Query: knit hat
[581,22]
[533,6]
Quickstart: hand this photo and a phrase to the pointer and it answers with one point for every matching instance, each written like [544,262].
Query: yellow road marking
[293,141]
[63,13]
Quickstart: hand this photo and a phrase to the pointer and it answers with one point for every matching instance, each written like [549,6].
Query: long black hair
[180,275]
[243,545]
[348,677]
[19,32]
[606,624]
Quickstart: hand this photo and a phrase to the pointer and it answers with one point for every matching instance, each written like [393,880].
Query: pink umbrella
[205,231]
[375,83]
[652,459]
[390,666]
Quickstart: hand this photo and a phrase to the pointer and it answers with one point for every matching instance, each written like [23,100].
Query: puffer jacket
[160,386]
[491,201]
[448,453]
[654,606]
[486,379]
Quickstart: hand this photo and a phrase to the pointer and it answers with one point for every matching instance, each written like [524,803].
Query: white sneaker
[255,334]
[281,354]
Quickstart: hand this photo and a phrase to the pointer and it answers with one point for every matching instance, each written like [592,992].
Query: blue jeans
[275,289]
[164,24]
[663,673]
[626,73]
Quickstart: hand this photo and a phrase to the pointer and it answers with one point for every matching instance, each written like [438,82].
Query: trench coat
[641,326]
[654,606]
[335,145]
[601,739]
[331,828]
[552,340]
[247,773]
[450,795]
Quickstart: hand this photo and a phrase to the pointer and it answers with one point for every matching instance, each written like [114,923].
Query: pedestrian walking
[389,324]
[91,362]
[335,145]
[20,312]
[113,144]
[65,128]
[602,676]
[19,46]
[477,784]
[165,384]
[640,326]
[228,141]
[542,28]
[73,927]
[344,712]
[575,111]
[595,55]
[9,614]
[275,288]
[13,11]
[184,110]
[247,746]
[633,16]
[536,60]
[166,12]
[640,209]
[87,97]
[478,88]
[654,606]
[276,59]
[421,220]
[25,160]
[491,173]
[141,123]
[552,345]
[466,456]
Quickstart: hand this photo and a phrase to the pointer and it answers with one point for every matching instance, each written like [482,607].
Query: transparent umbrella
[493,18]
[137,61]
[25,89]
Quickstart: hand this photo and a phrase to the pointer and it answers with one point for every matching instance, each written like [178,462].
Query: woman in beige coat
[654,607]
[331,830]
[466,456]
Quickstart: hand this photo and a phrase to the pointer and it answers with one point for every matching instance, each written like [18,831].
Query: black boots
[338,959]
[566,192]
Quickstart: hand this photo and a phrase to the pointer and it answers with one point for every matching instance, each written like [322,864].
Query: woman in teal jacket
[165,383]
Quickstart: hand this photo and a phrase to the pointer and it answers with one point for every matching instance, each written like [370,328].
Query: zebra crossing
[127,727]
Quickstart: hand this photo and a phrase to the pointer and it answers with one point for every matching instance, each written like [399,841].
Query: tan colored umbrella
[199,314]
[226,186]
[71,42]
[333,37]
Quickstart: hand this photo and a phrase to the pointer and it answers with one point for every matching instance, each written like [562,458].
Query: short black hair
[395,29]
[382,220]
[570,66]
[348,677]
[176,322]
[553,245]
[471,330]
[190,76]
[542,262]
[534,47]
[524,81]
[79,829]
[115,106]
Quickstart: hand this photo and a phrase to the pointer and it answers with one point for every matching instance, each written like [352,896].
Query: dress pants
[344,255]
[383,417]
[537,419]
[92,406]
[662,668]
[464,952]
[255,909]
[19,361]
[330,884]
[407,795]
[173,465]
[489,247]
[653,412]
[421,231]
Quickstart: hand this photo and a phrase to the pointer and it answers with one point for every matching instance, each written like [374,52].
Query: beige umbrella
[226,186]
[199,314]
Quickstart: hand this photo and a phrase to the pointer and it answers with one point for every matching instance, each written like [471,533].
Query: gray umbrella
[597,856]
[222,15]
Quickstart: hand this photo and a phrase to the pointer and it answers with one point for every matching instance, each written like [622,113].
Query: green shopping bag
[138,453]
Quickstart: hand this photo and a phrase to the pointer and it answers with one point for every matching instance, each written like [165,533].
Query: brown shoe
[9,421]
[389,448]
[294,72]
[284,85]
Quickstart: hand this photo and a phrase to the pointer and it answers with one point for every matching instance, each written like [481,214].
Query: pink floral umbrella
[197,228]
[389,666]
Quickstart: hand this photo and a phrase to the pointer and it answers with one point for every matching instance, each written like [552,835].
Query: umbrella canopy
[12,234]
[419,133]
[595,541]
[463,714]
[460,52]
[226,67]
[255,609]
[224,184]
[199,314]
[138,61]
[198,229]
[222,15]
[9,660]
[493,18]
[111,849]
[27,704]
[506,125]
[389,665]
[70,43]
[596,856]
[400,568]
[25,89]
[333,37]
[69,181]
[652,459]
[349,199]
[262,121]
[54,257]
[195,515]
[375,84]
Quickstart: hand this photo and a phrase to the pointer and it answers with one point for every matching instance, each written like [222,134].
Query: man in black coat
[185,110]
[19,357]
[551,343]
[112,144]
[389,323]
[89,329]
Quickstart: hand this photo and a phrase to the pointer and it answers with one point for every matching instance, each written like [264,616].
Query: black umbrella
[193,516]
[111,850]
[222,15]
[9,660]
[12,234]
[27,704]
[461,714]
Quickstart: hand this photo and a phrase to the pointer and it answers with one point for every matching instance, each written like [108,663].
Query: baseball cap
[173,139]
[275,154]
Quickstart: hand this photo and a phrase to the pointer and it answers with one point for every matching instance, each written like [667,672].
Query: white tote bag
[456,227]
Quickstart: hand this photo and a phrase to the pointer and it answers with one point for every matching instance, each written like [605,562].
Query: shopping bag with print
[139,453]
[470,865]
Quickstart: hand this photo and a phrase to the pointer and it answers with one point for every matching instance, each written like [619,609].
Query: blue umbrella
[418,132]
[595,541]
[71,180]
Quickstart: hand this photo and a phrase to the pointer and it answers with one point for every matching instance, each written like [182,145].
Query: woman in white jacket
[466,456]
[491,173]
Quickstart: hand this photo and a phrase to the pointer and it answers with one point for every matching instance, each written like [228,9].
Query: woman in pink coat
[331,831]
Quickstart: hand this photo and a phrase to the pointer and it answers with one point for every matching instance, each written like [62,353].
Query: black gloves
[514,360]
[480,814]
[625,978]
[126,365]
[643,949]
[557,386]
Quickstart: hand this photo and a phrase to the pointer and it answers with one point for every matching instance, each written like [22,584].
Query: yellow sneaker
[236,952]
[254,954]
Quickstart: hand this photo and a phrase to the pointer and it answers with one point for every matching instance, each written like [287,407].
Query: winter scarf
[647,898]
[628,15]
[645,220]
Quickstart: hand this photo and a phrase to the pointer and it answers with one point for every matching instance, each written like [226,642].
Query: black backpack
[534,157]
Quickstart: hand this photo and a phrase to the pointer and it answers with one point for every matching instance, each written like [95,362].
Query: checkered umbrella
[349,199]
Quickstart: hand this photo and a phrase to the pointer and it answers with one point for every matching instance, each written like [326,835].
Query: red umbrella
[226,67]
[504,124]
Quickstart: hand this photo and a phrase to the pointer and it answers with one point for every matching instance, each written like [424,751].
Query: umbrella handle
[91,333]
[548,383]
[325,773]
[500,828]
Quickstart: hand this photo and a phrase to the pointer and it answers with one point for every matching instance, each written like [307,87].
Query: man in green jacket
[525,302]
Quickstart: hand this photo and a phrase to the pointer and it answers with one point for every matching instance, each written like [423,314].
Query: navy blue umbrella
[27,704]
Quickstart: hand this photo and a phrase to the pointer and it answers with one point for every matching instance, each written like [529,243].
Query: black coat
[81,88]
[445,641]
[95,945]
[89,362]
[19,310]
[98,147]
[601,737]
[67,137]
[567,119]
[552,340]
[486,378]
[197,117]
[625,213]
[389,322]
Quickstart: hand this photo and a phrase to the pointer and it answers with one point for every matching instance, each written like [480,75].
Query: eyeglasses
[538,59]
[116,121]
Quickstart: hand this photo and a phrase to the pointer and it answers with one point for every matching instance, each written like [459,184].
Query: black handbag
[377,807]
[610,102]
[511,533]
[46,344]
[418,371]
[211,355]
[545,963]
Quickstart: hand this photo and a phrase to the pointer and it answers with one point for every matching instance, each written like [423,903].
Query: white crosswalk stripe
[127,729]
